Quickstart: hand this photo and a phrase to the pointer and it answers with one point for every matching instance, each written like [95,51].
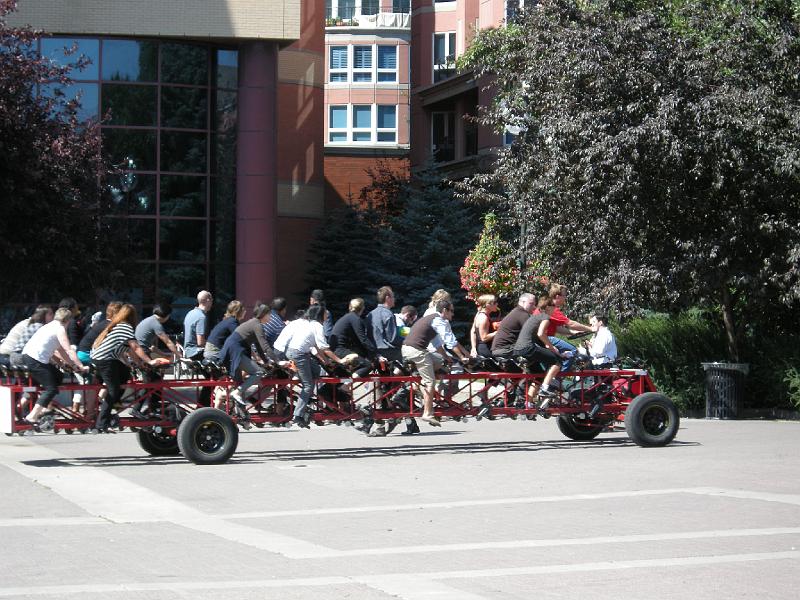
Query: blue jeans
[308,371]
[563,346]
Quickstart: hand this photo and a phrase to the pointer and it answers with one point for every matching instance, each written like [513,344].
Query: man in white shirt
[602,347]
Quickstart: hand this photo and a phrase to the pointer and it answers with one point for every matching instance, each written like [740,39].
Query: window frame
[449,36]
[373,71]
[351,130]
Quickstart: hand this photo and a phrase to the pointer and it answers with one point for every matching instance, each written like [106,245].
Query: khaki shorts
[426,363]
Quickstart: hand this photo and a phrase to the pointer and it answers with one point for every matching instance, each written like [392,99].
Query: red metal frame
[458,397]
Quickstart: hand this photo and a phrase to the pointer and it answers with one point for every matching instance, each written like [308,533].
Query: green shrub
[673,347]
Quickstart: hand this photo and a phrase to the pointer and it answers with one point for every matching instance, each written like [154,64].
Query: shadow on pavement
[360,452]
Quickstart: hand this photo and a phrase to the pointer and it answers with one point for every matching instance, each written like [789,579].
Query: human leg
[49,378]
[302,362]
[113,373]
[562,347]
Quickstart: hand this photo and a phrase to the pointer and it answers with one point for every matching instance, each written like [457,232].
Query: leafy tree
[658,163]
[52,182]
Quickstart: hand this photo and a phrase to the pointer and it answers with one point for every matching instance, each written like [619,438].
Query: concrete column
[256,172]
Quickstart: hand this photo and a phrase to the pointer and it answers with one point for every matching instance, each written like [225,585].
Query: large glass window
[387,123]
[172,129]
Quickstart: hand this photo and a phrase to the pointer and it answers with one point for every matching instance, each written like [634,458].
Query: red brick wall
[347,175]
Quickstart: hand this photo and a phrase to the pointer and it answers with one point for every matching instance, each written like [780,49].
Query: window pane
[181,282]
[338,118]
[183,196]
[130,104]
[387,77]
[227,69]
[183,152]
[362,136]
[226,108]
[133,193]
[386,136]
[451,50]
[401,6]
[128,60]
[338,57]
[58,50]
[369,7]
[362,57]
[142,238]
[223,149]
[339,77]
[347,9]
[338,137]
[387,57]
[182,240]
[138,145]
[387,117]
[362,77]
[362,116]
[438,48]
[223,198]
[85,93]
[184,107]
[223,240]
[184,63]
[223,282]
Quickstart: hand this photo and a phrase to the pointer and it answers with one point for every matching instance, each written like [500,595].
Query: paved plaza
[473,511]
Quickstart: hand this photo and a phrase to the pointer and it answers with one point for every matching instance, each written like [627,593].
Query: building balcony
[383,20]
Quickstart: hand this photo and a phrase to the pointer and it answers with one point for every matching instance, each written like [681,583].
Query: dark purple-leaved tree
[658,164]
[53,239]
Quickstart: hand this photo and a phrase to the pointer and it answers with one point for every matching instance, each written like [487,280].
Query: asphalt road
[475,510]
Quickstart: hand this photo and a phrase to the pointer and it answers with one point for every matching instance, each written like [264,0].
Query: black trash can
[725,389]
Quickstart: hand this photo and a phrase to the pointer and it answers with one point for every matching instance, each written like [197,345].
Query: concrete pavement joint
[408,586]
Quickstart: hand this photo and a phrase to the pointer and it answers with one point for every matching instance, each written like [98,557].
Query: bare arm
[66,350]
[542,333]
[140,354]
[168,343]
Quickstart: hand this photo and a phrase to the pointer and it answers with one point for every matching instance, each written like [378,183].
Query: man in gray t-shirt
[151,329]
[194,326]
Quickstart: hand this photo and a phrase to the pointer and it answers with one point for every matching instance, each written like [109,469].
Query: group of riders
[50,342]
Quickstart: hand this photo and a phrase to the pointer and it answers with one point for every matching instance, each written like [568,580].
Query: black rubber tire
[652,420]
[578,429]
[208,436]
[158,444]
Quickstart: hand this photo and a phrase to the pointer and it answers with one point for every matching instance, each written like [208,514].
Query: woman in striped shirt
[110,353]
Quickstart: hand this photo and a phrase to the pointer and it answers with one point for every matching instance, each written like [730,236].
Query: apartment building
[367,83]
[363,38]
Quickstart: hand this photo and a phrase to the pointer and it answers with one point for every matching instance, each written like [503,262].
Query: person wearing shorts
[415,349]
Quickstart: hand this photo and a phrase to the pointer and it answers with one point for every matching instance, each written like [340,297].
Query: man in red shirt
[560,323]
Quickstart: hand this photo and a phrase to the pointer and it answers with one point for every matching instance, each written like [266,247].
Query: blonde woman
[482,333]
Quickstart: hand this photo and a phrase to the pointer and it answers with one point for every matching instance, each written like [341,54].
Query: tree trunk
[730,325]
